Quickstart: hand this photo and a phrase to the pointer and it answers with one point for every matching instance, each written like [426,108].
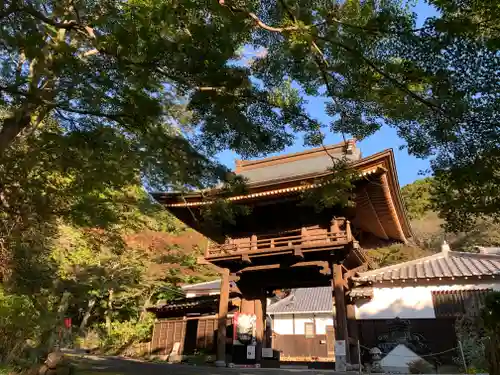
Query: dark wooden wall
[192,334]
[300,346]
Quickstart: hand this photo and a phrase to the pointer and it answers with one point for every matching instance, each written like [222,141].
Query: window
[309,330]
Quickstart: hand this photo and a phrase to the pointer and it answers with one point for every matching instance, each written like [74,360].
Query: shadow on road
[89,364]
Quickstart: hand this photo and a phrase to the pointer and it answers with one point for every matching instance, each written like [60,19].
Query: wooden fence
[192,334]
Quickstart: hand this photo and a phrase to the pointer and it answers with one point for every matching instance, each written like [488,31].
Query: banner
[244,329]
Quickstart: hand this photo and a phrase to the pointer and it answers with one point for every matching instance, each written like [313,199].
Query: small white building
[302,324]
[417,303]
[414,303]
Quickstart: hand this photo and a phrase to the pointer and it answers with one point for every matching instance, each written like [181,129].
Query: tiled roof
[320,163]
[209,285]
[304,300]
[187,303]
[442,265]
[488,250]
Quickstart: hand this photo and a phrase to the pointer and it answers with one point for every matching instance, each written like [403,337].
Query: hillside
[175,253]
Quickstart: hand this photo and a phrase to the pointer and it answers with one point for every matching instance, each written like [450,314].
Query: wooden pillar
[352,326]
[222,319]
[260,326]
[253,240]
[255,304]
[341,332]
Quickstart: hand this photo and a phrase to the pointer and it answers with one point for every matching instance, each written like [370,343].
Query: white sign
[267,352]
[250,352]
[175,349]
[340,347]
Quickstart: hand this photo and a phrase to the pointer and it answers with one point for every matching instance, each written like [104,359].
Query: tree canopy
[158,78]
[165,82]
[101,98]
[438,84]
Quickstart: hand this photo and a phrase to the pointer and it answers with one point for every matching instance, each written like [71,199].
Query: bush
[124,334]
[470,332]
[18,324]
[419,366]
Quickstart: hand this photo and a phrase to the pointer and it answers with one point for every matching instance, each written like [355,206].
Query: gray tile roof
[301,167]
[304,300]
[209,285]
[444,265]
[488,250]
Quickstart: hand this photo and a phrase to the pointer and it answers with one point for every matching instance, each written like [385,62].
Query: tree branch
[371,64]
[257,20]
[68,25]
[110,116]
[11,9]
[351,50]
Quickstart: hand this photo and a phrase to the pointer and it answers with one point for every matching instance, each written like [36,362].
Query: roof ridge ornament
[445,248]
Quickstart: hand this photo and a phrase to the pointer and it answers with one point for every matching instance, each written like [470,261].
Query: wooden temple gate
[285,244]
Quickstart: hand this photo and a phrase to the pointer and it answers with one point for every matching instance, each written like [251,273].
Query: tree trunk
[144,307]
[50,337]
[12,127]
[109,311]
[87,314]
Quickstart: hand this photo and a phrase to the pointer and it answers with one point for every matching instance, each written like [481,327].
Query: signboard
[340,347]
[244,329]
[267,352]
[175,349]
[250,352]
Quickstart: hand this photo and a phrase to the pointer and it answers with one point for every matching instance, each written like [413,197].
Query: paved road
[122,366]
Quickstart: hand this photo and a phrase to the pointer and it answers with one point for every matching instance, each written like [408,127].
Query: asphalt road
[119,366]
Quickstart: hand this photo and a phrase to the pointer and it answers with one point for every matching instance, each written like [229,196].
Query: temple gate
[285,244]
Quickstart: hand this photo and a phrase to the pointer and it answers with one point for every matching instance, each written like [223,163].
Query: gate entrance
[284,243]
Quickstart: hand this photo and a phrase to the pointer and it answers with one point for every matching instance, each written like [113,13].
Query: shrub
[419,366]
[18,324]
[124,334]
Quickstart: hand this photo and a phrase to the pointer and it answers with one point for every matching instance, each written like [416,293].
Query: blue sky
[408,166]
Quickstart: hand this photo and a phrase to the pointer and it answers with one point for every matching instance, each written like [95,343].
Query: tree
[437,84]
[491,317]
[417,197]
[144,73]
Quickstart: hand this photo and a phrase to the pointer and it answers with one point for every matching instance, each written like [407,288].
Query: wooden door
[330,341]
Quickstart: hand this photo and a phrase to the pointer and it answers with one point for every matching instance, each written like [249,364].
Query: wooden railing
[339,233]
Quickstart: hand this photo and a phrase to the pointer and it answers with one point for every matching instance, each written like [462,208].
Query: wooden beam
[352,272]
[246,259]
[325,268]
[222,318]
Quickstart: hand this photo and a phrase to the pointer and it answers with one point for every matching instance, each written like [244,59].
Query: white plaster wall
[300,321]
[407,302]
[283,325]
[323,320]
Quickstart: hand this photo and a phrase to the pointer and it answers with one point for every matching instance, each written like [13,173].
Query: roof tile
[452,264]
[304,300]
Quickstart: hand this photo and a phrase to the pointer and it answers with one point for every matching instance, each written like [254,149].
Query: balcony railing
[338,234]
